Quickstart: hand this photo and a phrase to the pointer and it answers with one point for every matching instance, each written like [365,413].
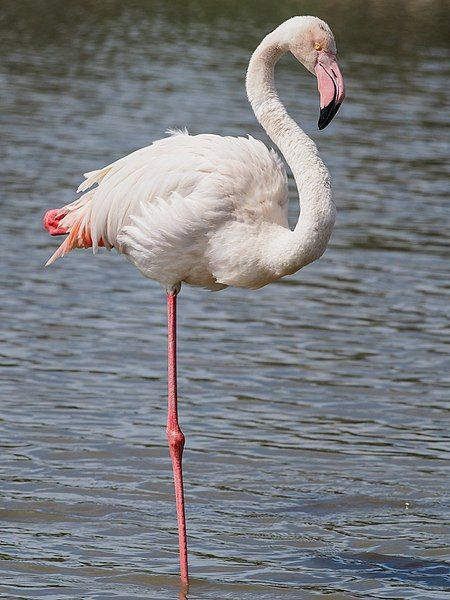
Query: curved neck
[310,174]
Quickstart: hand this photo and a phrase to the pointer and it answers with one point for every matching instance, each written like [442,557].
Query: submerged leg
[174,434]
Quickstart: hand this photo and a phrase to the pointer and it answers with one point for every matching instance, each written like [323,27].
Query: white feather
[211,210]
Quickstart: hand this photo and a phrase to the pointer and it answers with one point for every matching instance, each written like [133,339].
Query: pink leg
[174,434]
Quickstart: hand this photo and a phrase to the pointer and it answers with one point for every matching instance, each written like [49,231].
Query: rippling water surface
[315,410]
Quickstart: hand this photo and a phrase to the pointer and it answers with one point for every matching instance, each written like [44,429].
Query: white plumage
[197,191]
[211,211]
[208,210]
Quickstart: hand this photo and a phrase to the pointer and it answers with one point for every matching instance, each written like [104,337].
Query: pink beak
[331,87]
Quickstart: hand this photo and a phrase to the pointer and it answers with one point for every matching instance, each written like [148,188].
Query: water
[315,409]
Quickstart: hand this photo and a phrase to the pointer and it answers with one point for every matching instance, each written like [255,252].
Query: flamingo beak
[331,87]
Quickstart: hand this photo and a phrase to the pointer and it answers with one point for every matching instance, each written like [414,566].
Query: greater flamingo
[212,211]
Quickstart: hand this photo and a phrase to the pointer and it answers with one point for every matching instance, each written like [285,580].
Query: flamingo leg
[174,434]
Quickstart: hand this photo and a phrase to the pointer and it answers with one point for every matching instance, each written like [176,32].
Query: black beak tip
[327,113]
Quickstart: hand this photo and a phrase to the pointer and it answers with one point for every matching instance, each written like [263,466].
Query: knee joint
[175,438]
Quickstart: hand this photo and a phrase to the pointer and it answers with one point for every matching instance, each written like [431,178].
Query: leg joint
[175,438]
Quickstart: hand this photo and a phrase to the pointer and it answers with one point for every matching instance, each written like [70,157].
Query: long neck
[317,210]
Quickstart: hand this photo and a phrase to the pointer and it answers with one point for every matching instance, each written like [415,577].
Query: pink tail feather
[70,220]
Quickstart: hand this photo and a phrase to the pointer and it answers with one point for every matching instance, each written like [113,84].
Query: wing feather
[161,202]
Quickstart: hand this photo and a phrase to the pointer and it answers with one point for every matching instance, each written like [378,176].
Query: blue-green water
[315,410]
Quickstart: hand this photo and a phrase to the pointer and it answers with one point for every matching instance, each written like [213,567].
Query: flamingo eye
[318,46]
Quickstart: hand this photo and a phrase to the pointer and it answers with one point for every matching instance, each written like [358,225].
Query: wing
[169,195]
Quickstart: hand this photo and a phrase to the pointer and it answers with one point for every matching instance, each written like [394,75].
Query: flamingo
[212,211]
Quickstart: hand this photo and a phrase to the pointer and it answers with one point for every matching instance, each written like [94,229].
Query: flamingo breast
[187,208]
[196,194]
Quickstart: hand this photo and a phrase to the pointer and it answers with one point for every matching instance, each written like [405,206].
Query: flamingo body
[212,211]
[173,208]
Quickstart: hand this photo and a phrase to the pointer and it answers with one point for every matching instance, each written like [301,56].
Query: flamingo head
[312,43]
